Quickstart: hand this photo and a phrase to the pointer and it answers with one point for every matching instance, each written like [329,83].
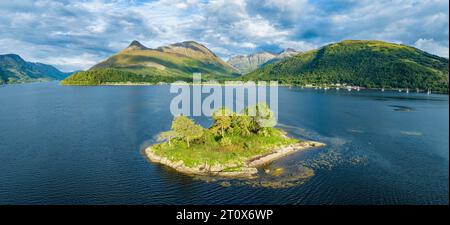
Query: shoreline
[314,87]
[248,170]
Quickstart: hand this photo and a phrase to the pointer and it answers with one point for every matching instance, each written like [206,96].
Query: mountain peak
[190,45]
[189,48]
[289,50]
[248,63]
[136,45]
[263,53]
[15,69]
[286,53]
[12,56]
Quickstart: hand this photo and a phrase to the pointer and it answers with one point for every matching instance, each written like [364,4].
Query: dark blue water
[82,145]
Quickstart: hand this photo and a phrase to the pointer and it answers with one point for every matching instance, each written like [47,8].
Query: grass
[237,152]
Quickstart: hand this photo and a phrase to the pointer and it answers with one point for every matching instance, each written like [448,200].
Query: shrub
[225,141]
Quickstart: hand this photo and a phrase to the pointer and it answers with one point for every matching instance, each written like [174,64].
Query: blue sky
[75,34]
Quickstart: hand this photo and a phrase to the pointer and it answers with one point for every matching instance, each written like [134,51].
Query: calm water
[82,145]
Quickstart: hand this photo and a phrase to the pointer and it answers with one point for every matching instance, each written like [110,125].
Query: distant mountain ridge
[138,63]
[14,69]
[289,52]
[364,63]
[373,64]
[248,63]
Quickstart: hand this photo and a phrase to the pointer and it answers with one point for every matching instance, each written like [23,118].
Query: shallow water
[82,145]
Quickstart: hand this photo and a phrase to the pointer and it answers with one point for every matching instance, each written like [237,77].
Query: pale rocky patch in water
[355,131]
[330,159]
[290,176]
[275,172]
[225,184]
[358,160]
[326,160]
[279,178]
[411,133]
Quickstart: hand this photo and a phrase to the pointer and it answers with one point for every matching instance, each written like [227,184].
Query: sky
[76,34]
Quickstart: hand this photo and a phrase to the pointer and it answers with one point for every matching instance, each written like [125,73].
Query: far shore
[307,86]
[249,170]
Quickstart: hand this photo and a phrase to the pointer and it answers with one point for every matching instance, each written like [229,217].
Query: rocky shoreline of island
[248,170]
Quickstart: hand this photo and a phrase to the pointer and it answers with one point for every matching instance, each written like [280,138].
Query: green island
[234,145]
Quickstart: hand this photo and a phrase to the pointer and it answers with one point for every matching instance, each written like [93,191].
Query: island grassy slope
[232,147]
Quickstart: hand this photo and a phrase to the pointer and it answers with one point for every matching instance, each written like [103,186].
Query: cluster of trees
[253,120]
[104,75]
[111,75]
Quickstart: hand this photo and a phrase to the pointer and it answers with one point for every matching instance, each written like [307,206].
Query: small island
[233,146]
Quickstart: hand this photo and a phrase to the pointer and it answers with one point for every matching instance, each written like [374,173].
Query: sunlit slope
[138,63]
[363,63]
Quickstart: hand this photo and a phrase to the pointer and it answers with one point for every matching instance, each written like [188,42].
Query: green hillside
[138,63]
[373,64]
[116,76]
[13,69]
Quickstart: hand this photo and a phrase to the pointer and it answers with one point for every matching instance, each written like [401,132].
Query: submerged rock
[284,180]
[225,184]
[277,172]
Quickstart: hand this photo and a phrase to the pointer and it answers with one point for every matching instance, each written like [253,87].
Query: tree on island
[254,120]
[261,118]
[186,129]
[241,124]
[167,135]
[222,121]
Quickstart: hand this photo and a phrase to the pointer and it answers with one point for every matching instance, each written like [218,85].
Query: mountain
[13,69]
[287,53]
[364,63]
[248,63]
[138,63]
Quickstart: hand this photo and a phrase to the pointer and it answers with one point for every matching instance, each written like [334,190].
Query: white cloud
[430,46]
[83,61]
[248,45]
[257,27]
[298,45]
[81,33]
[181,5]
